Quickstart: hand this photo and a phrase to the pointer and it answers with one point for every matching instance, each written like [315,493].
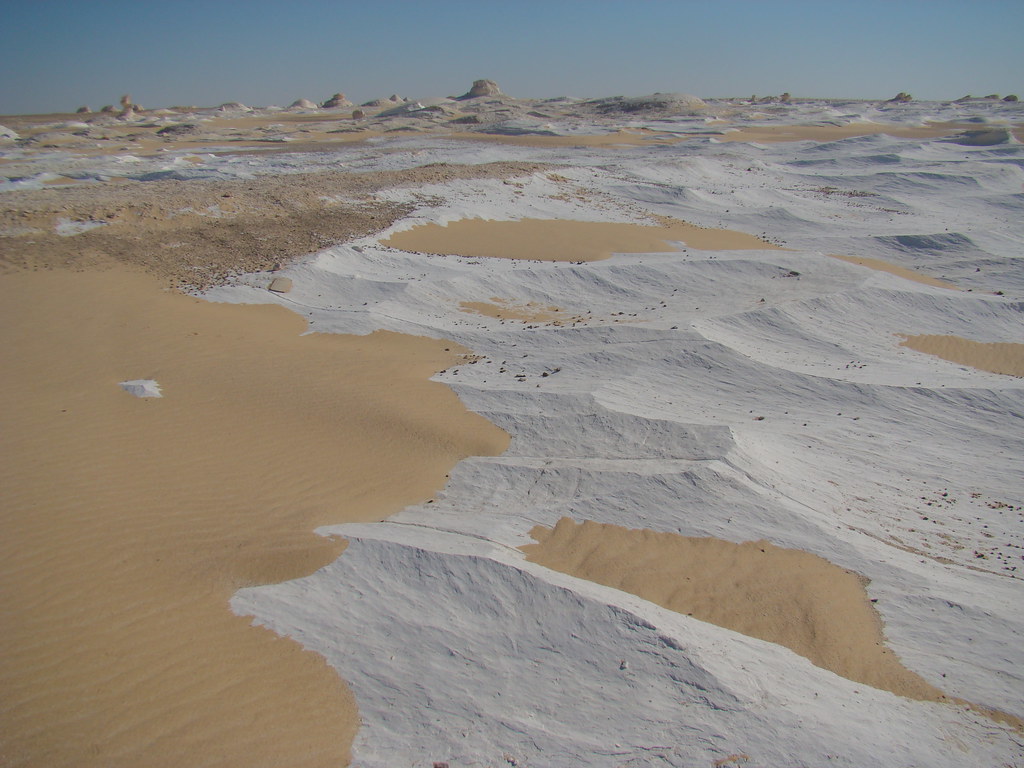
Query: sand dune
[128,523]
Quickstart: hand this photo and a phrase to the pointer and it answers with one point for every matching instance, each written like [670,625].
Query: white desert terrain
[649,431]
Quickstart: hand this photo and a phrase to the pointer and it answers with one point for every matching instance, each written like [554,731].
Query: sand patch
[128,523]
[894,269]
[529,312]
[785,596]
[995,357]
[565,240]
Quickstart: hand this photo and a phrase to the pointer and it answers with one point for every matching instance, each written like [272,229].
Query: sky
[57,55]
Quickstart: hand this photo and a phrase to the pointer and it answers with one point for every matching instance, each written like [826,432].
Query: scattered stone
[337,100]
[901,98]
[302,104]
[280,285]
[83,110]
[482,88]
[142,388]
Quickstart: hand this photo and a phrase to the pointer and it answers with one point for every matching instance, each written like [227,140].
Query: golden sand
[995,357]
[893,269]
[565,240]
[785,596]
[128,523]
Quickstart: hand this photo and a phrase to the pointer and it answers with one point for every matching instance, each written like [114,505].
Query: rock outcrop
[655,103]
[482,88]
[182,129]
[83,111]
[1011,97]
[337,100]
[901,98]
[985,137]
[302,104]
[393,99]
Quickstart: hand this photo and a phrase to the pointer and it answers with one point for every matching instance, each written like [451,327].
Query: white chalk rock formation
[302,104]
[6,134]
[482,88]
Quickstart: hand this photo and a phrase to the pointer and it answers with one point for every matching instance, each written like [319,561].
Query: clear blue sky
[58,54]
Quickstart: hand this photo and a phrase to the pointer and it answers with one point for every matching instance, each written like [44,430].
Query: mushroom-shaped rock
[126,101]
[337,100]
[482,88]
[302,104]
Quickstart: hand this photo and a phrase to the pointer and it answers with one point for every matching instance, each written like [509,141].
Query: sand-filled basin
[994,357]
[785,596]
[566,240]
[895,269]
